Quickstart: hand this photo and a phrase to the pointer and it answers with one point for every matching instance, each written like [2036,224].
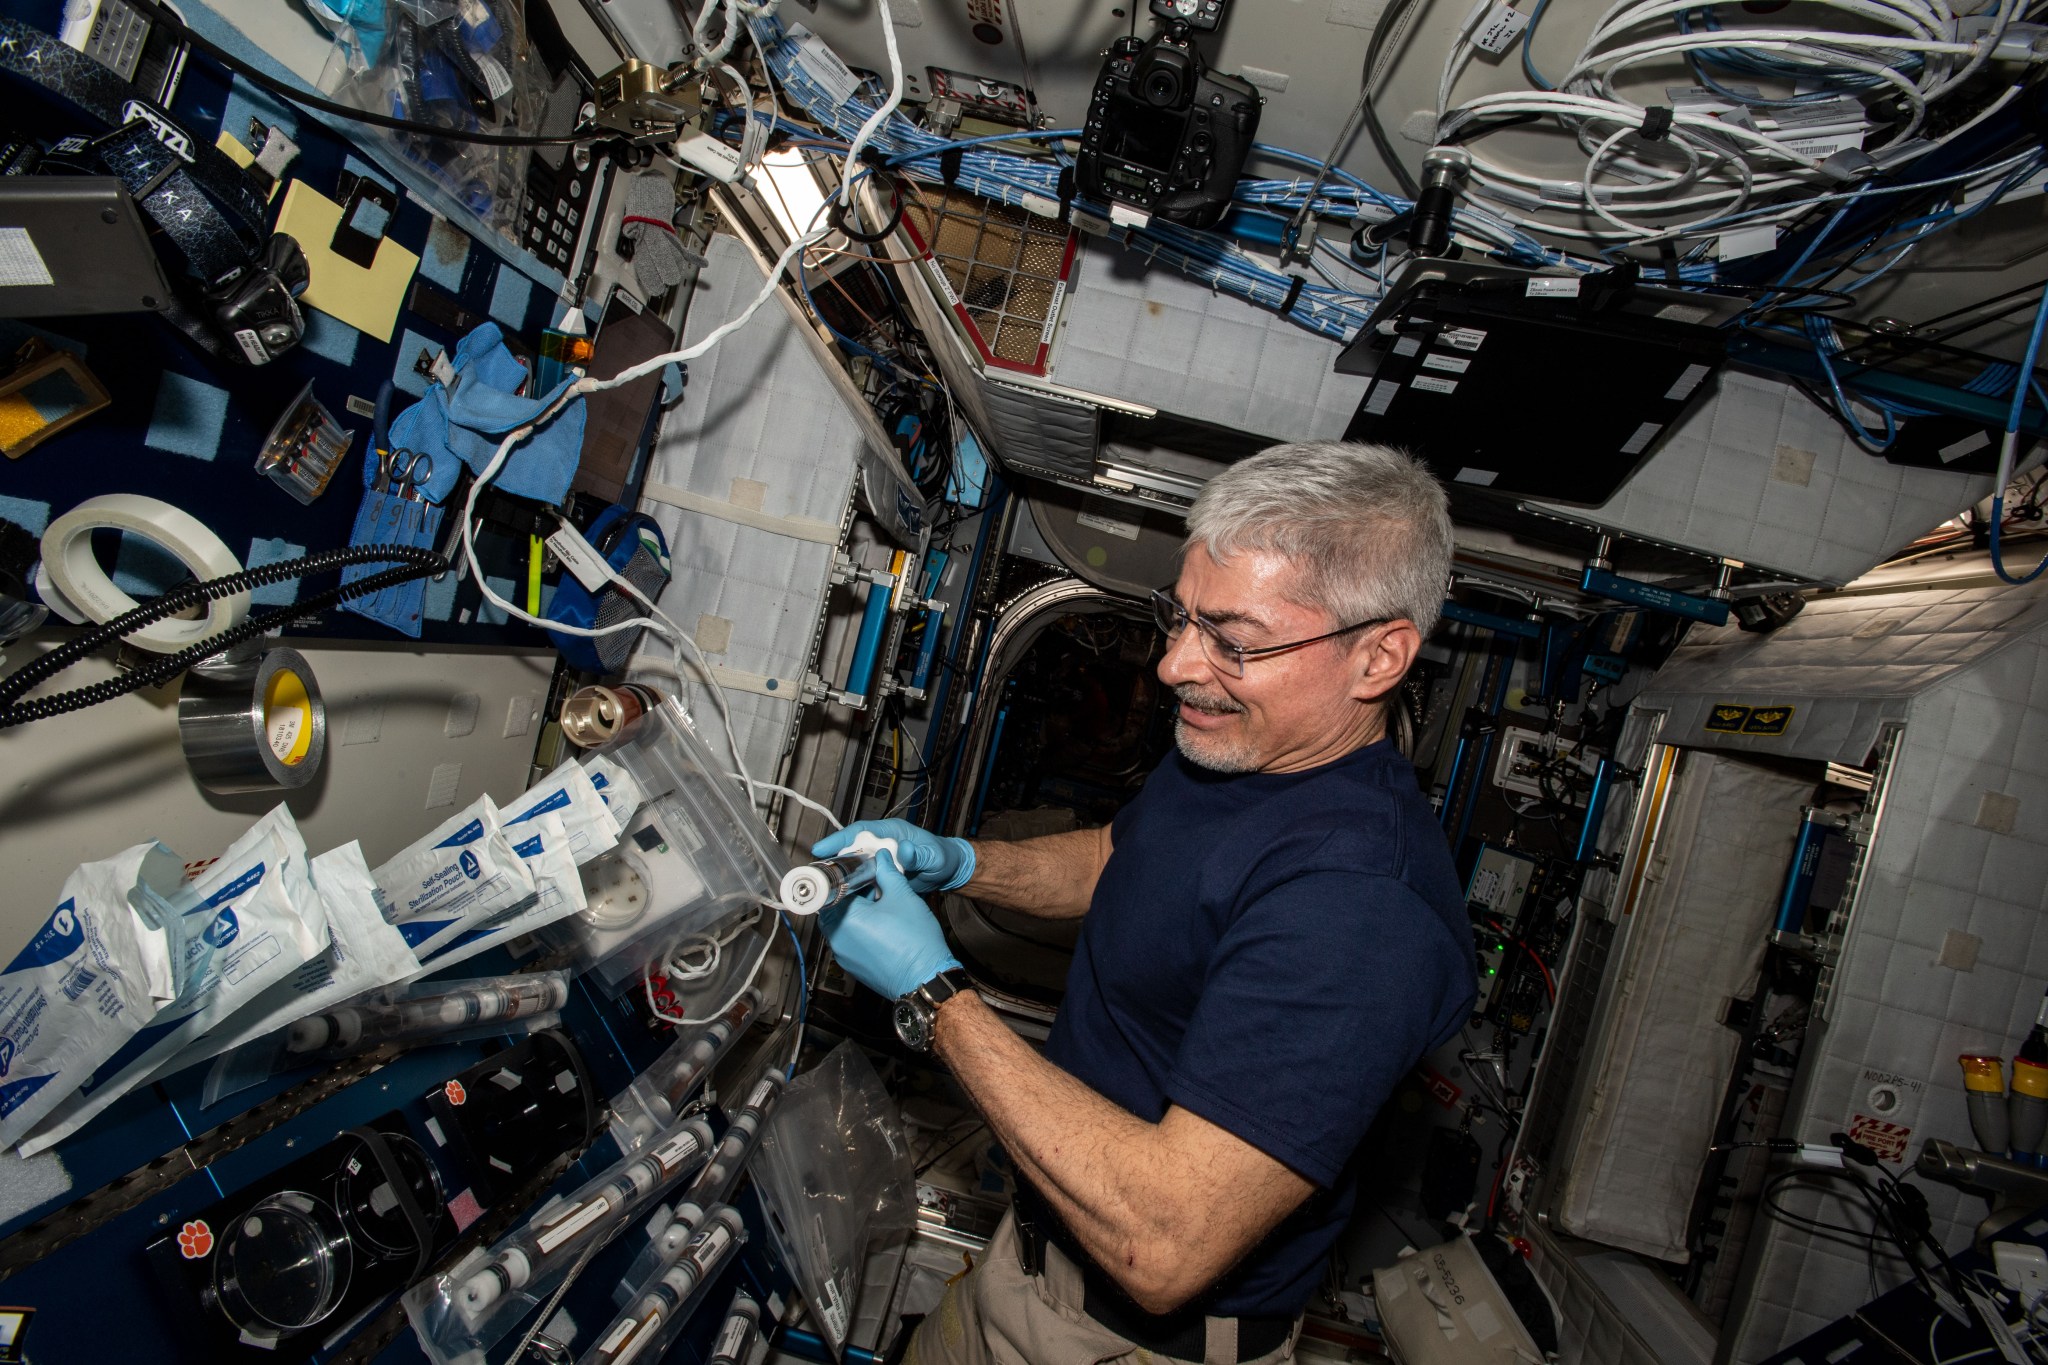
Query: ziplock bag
[836,1183]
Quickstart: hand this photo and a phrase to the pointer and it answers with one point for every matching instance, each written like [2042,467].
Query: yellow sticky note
[367,300]
[232,147]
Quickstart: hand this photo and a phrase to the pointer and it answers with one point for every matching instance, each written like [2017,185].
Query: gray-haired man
[1274,937]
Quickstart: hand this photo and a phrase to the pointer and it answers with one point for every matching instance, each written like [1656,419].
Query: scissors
[405,472]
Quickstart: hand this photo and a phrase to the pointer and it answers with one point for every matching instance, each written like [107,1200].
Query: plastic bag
[419,1013]
[363,953]
[460,65]
[463,874]
[254,919]
[91,976]
[835,1179]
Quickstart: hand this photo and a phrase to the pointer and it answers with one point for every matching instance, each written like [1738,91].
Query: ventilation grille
[1003,270]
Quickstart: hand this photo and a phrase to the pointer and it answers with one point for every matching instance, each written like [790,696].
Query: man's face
[1290,711]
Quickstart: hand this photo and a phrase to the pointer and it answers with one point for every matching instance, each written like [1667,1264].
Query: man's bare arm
[1052,877]
[1166,1209]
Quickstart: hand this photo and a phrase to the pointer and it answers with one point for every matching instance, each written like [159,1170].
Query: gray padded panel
[1150,335]
[1845,664]
[1759,473]
[758,408]
[1040,430]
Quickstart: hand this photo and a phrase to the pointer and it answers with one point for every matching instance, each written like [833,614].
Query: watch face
[913,1025]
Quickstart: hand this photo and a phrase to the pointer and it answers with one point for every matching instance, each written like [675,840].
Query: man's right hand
[931,862]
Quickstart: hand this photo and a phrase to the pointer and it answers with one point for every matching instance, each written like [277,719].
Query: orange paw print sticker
[455,1093]
[195,1239]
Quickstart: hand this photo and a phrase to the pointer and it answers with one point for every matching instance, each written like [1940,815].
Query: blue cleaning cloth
[467,420]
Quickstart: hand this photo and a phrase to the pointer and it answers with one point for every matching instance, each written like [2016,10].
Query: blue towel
[467,420]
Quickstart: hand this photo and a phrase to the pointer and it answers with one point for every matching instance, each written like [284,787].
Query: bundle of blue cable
[976,166]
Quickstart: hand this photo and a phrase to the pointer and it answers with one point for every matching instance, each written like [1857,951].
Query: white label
[823,66]
[713,1245]
[1461,338]
[1040,205]
[1052,313]
[833,1310]
[676,1151]
[1109,526]
[496,79]
[1449,364]
[1381,398]
[1821,148]
[252,346]
[20,262]
[649,1328]
[1499,30]
[1407,345]
[572,1223]
[579,558]
[730,1337]
[1683,386]
[1994,1322]
[1638,443]
[1747,241]
[1975,441]
[1482,477]
[1431,384]
[1684,312]
[286,723]
[1552,287]
[1123,215]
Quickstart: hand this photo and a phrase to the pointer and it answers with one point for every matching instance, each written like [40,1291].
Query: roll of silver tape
[253,725]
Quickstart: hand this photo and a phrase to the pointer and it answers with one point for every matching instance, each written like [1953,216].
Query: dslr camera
[1165,135]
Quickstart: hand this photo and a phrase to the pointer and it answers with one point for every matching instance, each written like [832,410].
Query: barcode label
[75,984]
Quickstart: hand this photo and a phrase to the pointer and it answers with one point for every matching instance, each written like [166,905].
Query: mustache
[1207,703]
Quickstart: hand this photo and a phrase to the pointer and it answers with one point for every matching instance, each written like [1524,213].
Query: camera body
[1165,134]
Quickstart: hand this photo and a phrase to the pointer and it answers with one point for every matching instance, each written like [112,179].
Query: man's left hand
[890,941]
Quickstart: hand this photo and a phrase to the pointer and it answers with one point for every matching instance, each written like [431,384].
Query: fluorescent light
[792,194]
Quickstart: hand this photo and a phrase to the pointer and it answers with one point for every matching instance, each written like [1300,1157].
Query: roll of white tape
[82,584]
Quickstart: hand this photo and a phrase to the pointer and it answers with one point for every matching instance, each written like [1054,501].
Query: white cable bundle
[1690,167]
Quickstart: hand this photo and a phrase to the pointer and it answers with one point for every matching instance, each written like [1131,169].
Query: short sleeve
[1321,996]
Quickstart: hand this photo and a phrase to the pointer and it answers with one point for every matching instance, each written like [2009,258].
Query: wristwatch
[917,1014]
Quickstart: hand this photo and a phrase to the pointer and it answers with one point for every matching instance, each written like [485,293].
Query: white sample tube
[646,1329]
[447,1007]
[678,1072]
[735,1340]
[549,1242]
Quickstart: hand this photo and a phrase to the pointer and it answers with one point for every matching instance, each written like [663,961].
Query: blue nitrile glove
[890,941]
[933,862]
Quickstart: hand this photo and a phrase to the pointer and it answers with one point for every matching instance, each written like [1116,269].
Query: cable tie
[1293,293]
[1656,122]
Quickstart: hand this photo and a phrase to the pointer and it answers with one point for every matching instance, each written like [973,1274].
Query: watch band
[949,982]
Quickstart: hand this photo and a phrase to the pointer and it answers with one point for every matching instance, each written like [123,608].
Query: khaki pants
[998,1315]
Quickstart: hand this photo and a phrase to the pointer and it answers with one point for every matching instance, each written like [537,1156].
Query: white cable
[800,799]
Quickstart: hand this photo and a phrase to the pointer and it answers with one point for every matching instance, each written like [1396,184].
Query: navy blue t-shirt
[1274,952]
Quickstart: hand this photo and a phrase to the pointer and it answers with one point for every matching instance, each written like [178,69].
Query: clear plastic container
[692,857]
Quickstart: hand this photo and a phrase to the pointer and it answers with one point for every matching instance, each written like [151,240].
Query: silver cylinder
[253,725]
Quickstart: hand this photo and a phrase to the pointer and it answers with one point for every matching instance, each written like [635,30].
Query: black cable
[837,218]
[413,563]
[1390,21]
[160,15]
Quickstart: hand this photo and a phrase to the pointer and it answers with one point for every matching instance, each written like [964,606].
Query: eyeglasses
[1225,654]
